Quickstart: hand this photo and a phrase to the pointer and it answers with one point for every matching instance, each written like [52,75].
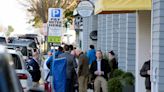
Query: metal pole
[47,36]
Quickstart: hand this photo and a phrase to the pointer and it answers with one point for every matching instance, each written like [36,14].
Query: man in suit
[100,70]
[83,71]
[70,70]
[34,69]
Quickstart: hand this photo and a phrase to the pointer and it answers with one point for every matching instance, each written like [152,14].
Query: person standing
[58,52]
[100,70]
[91,54]
[34,69]
[145,72]
[45,67]
[70,68]
[46,72]
[75,77]
[83,72]
[112,62]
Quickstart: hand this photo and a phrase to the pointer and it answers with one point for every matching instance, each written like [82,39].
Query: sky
[12,13]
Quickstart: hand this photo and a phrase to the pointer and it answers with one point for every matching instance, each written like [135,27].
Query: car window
[2,40]
[17,61]
[30,52]
[33,45]
[24,51]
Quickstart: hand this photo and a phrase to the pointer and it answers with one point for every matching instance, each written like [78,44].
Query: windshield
[17,61]
[31,38]
[2,40]
[22,49]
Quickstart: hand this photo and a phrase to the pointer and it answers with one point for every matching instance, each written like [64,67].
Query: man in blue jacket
[91,54]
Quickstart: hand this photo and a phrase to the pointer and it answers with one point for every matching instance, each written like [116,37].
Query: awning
[121,6]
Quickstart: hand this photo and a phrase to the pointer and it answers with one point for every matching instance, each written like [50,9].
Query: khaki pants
[100,82]
[83,81]
[148,90]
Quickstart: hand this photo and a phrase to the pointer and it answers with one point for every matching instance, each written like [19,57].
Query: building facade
[135,38]
[115,32]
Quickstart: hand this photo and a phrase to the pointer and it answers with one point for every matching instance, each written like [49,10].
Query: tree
[10,30]
[1,28]
[39,9]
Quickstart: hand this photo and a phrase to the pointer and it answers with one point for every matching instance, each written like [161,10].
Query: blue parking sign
[55,13]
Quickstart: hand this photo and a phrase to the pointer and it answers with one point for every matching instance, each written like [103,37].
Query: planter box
[128,89]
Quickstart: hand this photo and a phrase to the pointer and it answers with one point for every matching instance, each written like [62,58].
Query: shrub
[106,57]
[117,73]
[128,79]
[114,85]
[120,80]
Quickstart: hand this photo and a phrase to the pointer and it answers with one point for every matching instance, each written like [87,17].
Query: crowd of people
[83,68]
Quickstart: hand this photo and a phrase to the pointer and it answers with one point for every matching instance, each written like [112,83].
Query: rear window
[17,61]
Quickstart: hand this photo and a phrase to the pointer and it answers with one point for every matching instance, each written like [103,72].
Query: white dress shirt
[99,65]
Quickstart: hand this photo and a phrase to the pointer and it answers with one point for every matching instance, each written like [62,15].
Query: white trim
[127,30]
[137,42]
[112,33]
[119,36]
[106,33]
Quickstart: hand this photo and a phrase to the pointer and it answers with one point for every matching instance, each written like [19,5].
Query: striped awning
[121,6]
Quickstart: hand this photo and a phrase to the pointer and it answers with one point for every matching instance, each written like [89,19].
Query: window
[17,61]
[24,51]
[2,40]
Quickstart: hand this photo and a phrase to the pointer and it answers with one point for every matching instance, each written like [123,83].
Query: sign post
[55,25]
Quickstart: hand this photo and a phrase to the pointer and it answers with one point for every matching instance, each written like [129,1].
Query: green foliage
[128,79]
[9,31]
[106,57]
[39,9]
[119,80]
[117,73]
[114,85]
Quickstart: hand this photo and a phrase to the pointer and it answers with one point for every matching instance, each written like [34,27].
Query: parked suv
[21,70]
[8,79]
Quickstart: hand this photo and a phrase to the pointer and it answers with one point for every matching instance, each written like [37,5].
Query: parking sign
[55,13]
[55,24]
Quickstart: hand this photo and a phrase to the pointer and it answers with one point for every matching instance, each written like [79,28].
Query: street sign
[55,25]
[85,8]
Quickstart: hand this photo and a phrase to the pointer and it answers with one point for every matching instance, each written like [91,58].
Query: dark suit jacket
[71,64]
[104,67]
[35,73]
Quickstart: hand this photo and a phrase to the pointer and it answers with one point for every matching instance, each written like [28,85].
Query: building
[135,32]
